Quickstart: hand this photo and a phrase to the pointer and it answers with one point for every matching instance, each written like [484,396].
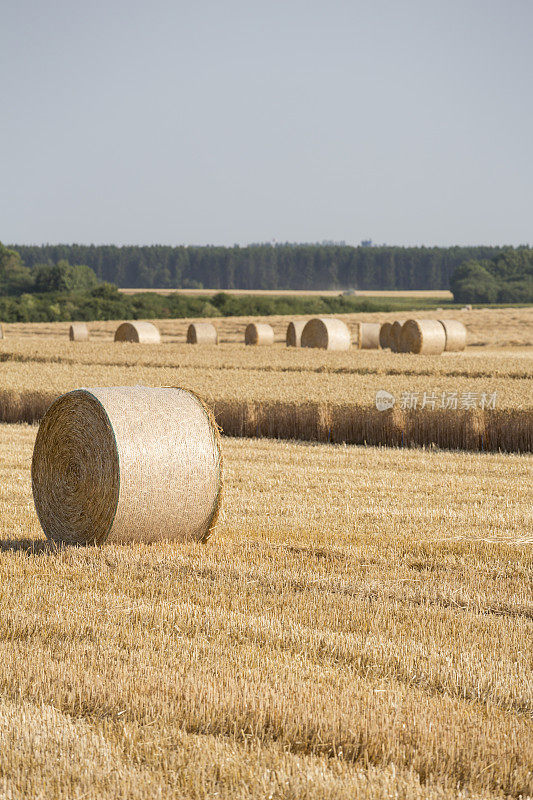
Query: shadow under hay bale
[125,464]
[326,333]
[455,333]
[423,337]
[202,333]
[259,333]
[78,332]
[368,335]
[293,337]
[139,332]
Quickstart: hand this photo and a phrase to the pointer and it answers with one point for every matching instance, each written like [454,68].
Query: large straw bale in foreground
[127,464]
[424,337]
[259,333]
[141,332]
[202,333]
[455,333]
[78,332]
[327,333]
[368,337]
[293,337]
[395,335]
[384,335]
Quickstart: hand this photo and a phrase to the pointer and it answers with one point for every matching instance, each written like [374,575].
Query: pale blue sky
[242,121]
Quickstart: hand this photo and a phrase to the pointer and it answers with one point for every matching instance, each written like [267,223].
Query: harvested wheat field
[359,625]
[478,399]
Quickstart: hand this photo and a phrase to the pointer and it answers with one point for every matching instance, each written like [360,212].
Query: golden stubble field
[360,625]
[40,357]
[486,328]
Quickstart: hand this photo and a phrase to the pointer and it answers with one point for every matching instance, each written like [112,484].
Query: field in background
[414,293]
[359,626]
[294,393]
[487,328]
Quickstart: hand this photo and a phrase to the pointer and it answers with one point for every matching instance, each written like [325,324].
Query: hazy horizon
[244,123]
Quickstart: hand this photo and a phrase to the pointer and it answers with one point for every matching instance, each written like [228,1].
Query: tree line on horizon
[264,266]
[64,291]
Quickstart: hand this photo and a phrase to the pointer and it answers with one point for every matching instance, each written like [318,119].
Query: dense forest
[506,278]
[58,290]
[282,266]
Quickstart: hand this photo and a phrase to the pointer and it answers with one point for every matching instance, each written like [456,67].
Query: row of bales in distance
[424,337]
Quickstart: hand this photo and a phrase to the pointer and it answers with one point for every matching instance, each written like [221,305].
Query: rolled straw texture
[141,332]
[395,335]
[259,333]
[202,333]
[384,335]
[126,464]
[327,333]
[293,337]
[369,333]
[455,333]
[424,337]
[78,332]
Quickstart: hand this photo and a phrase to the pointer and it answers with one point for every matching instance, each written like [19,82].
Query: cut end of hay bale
[293,337]
[127,464]
[140,332]
[423,337]
[78,332]
[395,335]
[259,333]
[384,335]
[368,335]
[455,333]
[326,333]
[202,333]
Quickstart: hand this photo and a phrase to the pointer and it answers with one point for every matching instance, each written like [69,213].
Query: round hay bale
[327,333]
[424,337]
[395,335]
[202,333]
[78,332]
[368,338]
[259,333]
[141,332]
[384,335]
[455,333]
[468,307]
[293,337]
[1,331]
[125,464]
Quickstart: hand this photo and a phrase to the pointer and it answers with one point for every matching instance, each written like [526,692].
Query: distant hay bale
[369,333]
[1,331]
[468,307]
[125,464]
[141,332]
[424,337]
[78,332]
[293,337]
[327,333]
[455,333]
[384,335]
[259,333]
[395,335]
[202,333]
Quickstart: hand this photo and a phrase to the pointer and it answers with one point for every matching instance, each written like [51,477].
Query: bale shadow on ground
[32,547]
